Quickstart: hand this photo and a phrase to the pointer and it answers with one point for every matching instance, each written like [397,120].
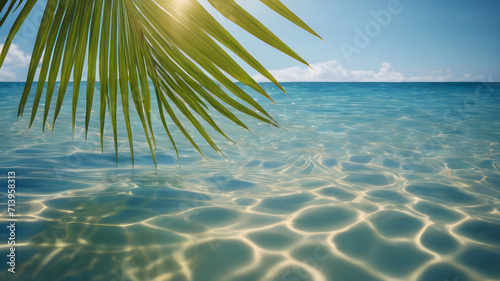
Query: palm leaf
[176,44]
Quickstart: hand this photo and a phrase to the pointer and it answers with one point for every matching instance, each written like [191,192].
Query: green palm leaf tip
[173,43]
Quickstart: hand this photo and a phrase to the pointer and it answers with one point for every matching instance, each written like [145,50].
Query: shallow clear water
[366,181]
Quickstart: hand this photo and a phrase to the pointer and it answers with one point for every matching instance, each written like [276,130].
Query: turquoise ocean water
[365,181]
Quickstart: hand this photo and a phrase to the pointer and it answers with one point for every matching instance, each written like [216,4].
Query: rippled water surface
[365,181]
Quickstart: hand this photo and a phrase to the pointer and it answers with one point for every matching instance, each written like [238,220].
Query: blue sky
[376,40]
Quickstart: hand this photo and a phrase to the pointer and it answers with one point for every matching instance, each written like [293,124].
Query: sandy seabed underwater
[366,181]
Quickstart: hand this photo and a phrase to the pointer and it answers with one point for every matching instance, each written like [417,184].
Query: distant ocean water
[364,181]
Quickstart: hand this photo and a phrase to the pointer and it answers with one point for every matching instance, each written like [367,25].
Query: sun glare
[180,6]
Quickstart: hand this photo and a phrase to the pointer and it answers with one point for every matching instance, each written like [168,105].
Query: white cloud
[16,59]
[332,71]
[430,78]
[384,74]
[6,74]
